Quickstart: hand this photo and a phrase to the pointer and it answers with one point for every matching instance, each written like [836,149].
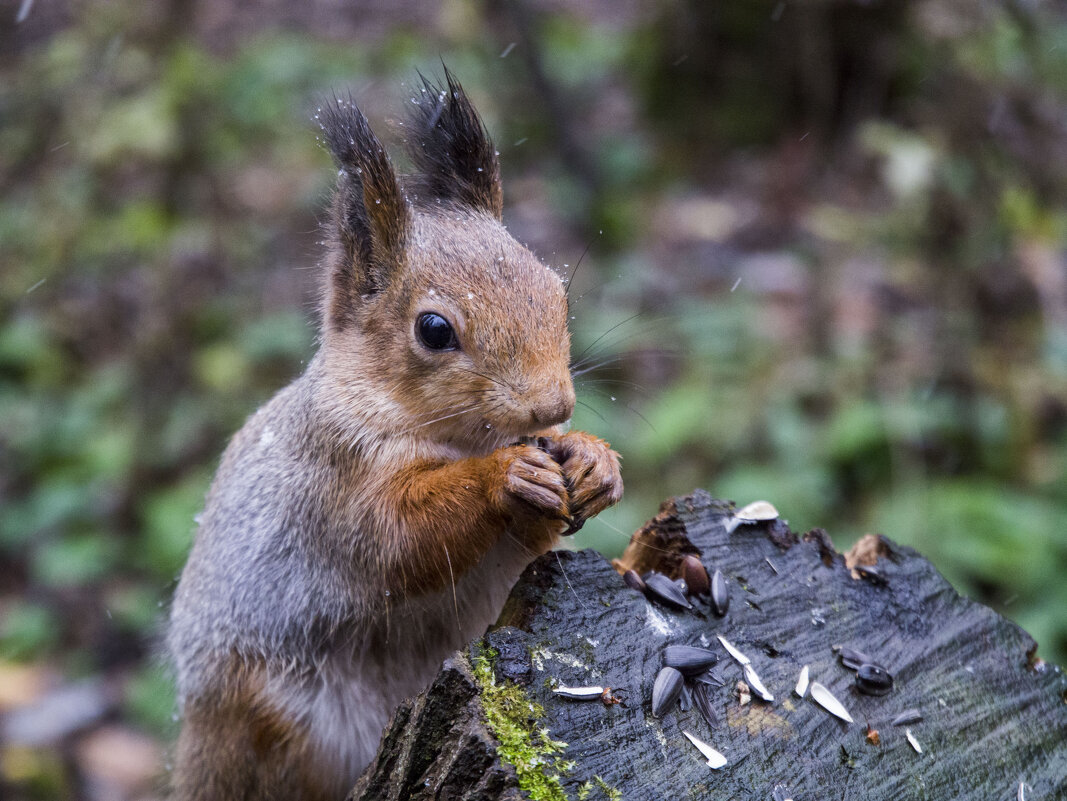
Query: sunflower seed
[754,682]
[852,659]
[666,590]
[665,691]
[580,693]
[720,595]
[908,716]
[715,759]
[689,660]
[914,743]
[802,682]
[826,700]
[740,657]
[633,581]
[873,679]
[695,575]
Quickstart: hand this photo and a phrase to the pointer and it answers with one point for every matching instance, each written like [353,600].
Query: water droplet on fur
[377,201]
[470,296]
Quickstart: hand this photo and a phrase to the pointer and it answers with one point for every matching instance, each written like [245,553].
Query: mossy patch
[514,719]
[596,783]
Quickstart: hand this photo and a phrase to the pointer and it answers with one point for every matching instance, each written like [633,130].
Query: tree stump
[994,716]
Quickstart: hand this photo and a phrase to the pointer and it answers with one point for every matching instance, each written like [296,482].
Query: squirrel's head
[434,315]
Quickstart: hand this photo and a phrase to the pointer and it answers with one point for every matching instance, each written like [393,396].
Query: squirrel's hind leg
[236,746]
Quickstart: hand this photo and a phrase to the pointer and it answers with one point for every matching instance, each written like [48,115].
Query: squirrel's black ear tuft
[370,216]
[451,149]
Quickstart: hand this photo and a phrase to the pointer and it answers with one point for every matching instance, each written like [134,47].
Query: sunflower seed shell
[720,594]
[802,682]
[753,681]
[852,659]
[580,693]
[826,700]
[914,743]
[756,512]
[907,717]
[633,580]
[730,649]
[715,759]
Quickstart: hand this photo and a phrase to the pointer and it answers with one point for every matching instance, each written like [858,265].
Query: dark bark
[994,716]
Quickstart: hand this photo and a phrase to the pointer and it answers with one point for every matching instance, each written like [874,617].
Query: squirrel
[372,517]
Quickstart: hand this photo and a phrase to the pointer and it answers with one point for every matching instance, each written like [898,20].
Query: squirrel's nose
[553,406]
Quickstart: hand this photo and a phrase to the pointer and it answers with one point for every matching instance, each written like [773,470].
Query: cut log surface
[994,717]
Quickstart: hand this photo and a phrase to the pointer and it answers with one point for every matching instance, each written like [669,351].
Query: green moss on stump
[514,720]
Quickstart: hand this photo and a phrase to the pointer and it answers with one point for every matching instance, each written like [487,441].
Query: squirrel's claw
[534,478]
[591,472]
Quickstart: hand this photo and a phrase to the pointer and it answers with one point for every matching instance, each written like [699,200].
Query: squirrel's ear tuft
[451,148]
[370,216]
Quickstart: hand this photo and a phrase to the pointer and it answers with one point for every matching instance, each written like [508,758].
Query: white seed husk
[914,743]
[802,682]
[730,649]
[753,680]
[580,693]
[756,512]
[715,759]
[826,700]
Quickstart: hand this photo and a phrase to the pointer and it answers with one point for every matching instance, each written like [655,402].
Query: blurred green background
[823,265]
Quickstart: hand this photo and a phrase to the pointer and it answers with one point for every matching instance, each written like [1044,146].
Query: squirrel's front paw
[591,470]
[532,478]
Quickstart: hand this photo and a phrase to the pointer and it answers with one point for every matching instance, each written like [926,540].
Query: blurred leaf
[143,125]
[27,630]
[75,560]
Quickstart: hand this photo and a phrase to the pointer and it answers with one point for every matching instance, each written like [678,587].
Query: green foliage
[27,629]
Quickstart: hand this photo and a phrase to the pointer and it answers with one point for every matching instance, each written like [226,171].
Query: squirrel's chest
[356,687]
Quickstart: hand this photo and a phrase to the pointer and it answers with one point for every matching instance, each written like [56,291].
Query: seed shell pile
[687,677]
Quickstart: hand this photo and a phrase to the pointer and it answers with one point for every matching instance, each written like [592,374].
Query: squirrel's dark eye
[435,332]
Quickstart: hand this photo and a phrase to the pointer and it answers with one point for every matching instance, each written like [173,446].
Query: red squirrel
[372,517]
